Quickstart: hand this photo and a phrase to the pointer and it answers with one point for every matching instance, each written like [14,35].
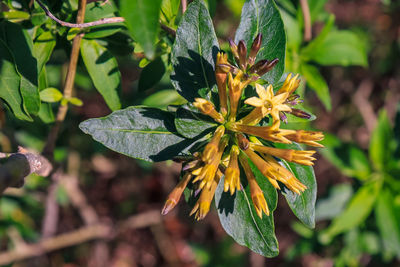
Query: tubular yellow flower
[235,88]
[175,195]
[256,193]
[207,108]
[208,171]
[266,132]
[232,173]
[220,76]
[306,137]
[202,206]
[285,176]
[267,103]
[290,85]
[212,147]
[303,157]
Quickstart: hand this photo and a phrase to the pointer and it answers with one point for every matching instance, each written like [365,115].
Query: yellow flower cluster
[237,138]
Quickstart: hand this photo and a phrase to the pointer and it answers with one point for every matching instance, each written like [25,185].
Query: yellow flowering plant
[233,137]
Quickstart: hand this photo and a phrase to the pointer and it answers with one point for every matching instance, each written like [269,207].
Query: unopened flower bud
[242,55]
[300,113]
[294,100]
[260,64]
[255,47]
[267,67]
[243,141]
[234,49]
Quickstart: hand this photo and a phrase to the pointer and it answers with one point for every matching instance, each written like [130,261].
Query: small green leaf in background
[43,46]
[343,48]
[45,113]
[169,11]
[356,212]
[303,205]
[10,82]
[151,74]
[262,16]
[51,95]
[334,204]
[103,69]
[239,218]
[191,124]
[194,53]
[164,98]
[144,133]
[96,11]
[142,20]
[317,83]
[380,146]
[387,223]
[19,40]
[75,101]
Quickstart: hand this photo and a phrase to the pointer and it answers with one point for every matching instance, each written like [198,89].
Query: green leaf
[43,47]
[194,53]
[169,11]
[334,204]
[387,223]
[96,11]
[45,113]
[75,101]
[191,124]
[103,69]
[343,48]
[380,146]
[9,83]
[348,158]
[303,205]
[143,133]
[262,16]
[239,218]
[317,83]
[164,98]
[142,20]
[357,211]
[51,95]
[307,51]
[151,74]
[21,43]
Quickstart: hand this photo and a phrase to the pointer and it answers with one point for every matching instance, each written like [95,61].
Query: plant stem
[184,5]
[307,19]
[69,84]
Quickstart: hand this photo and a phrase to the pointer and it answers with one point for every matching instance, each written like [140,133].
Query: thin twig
[184,5]
[307,19]
[69,84]
[80,24]
[360,99]
[168,29]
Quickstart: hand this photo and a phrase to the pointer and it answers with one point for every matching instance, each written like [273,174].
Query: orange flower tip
[168,206]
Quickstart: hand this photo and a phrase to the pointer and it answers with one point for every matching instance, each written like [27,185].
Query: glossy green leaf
[21,46]
[381,143]
[387,223]
[317,83]
[303,205]
[96,11]
[103,69]
[51,95]
[10,82]
[262,16]
[142,20]
[194,53]
[357,211]
[43,47]
[240,220]
[143,133]
[151,74]
[164,98]
[191,123]
[46,113]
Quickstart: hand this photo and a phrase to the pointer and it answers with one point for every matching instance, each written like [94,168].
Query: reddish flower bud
[255,47]
[242,54]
